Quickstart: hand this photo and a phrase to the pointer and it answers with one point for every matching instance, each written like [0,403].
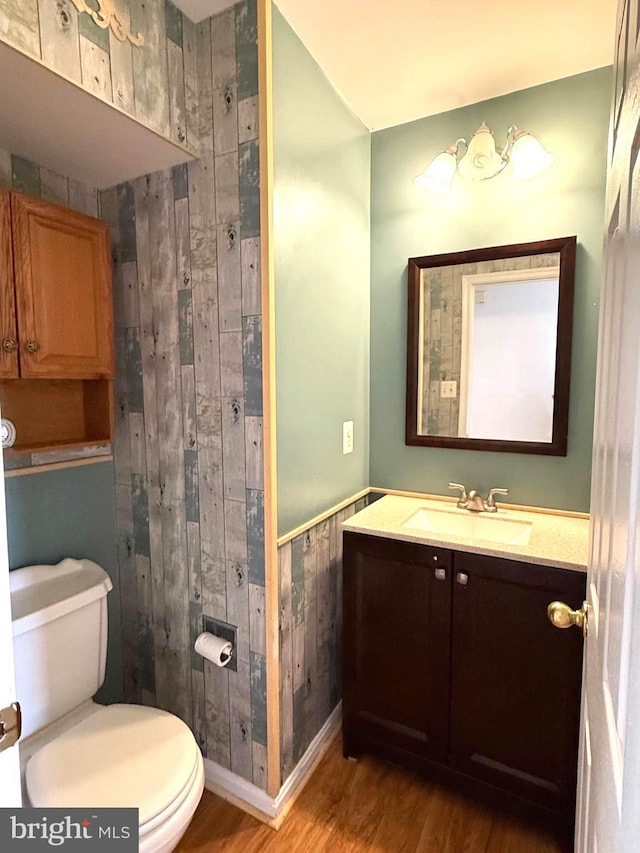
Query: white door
[608,815]
[9,761]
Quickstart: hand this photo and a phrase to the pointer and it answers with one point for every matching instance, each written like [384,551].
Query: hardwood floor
[368,805]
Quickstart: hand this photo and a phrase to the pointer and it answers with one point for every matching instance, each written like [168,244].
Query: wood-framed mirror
[489,348]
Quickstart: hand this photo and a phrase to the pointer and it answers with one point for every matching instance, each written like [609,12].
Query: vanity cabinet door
[397,611]
[515,679]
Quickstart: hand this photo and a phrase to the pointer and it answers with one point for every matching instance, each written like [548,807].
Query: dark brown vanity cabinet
[451,667]
[397,641]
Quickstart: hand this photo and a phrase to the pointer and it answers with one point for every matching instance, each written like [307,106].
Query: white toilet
[75,753]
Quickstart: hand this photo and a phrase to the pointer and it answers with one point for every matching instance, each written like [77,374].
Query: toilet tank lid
[40,594]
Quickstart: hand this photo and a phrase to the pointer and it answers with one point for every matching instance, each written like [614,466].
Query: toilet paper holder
[227,632]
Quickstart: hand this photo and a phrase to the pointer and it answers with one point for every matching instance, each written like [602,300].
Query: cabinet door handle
[9,345]
[462,579]
[32,346]
[441,574]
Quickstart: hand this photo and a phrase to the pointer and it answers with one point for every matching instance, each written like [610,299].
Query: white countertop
[555,540]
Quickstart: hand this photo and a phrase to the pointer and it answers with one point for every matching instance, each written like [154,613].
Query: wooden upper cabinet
[8,328]
[63,291]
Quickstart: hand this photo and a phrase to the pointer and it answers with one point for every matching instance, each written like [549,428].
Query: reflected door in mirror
[489,348]
[509,327]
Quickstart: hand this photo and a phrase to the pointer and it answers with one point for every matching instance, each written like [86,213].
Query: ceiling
[199,9]
[397,60]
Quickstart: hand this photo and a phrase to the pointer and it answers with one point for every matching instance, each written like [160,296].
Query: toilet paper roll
[216,649]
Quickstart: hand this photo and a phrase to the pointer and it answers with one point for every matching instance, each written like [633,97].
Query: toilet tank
[59,616]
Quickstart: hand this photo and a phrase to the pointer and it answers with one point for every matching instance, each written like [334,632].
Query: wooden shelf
[51,414]
[49,119]
[42,447]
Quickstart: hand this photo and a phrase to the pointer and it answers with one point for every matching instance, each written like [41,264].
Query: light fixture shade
[439,174]
[529,156]
[481,161]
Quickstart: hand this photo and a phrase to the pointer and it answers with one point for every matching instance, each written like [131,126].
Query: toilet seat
[175,805]
[123,755]
[162,836]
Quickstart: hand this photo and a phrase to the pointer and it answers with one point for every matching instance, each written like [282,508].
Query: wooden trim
[272,604]
[56,466]
[287,537]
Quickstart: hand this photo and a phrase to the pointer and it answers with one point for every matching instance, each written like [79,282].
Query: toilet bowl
[128,756]
[78,753]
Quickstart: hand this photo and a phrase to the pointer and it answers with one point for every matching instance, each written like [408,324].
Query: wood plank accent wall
[147,82]
[35,180]
[188,450]
[310,572]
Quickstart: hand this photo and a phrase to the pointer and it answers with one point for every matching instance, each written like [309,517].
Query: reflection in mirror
[497,386]
[489,348]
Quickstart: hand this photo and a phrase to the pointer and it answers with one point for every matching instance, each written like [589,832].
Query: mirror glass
[489,347]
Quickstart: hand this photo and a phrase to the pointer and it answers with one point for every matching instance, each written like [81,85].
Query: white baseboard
[257,802]
[238,791]
[301,774]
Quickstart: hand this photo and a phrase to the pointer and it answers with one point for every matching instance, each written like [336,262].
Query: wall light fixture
[481,160]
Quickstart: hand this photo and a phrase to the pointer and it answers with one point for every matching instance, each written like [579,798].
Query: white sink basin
[463,523]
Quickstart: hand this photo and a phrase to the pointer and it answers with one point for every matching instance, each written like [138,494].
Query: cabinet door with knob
[56,322]
[515,678]
[8,323]
[63,291]
[397,602]
[454,667]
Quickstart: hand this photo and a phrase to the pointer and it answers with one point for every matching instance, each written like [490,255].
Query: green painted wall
[321,237]
[570,117]
[70,513]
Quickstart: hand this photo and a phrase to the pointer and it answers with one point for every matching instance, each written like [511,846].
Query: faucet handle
[463,492]
[490,501]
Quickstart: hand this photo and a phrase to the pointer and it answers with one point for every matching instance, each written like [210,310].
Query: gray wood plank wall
[188,447]
[28,177]
[188,444]
[310,574]
[145,81]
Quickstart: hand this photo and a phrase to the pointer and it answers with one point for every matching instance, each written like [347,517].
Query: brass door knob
[32,346]
[9,345]
[562,616]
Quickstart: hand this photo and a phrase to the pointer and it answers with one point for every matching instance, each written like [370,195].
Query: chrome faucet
[472,500]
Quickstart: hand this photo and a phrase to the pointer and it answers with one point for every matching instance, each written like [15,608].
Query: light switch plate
[347,437]
[448,389]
